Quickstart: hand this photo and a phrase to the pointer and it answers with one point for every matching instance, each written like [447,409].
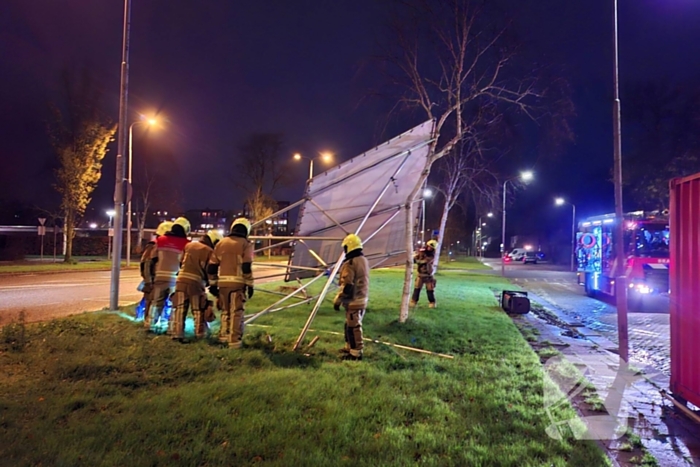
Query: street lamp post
[119,175]
[478,246]
[325,156]
[427,193]
[524,176]
[110,214]
[561,202]
[151,122]
[620,279]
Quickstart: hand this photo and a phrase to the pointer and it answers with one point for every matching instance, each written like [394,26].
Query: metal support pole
[119,177]
[278,213]
[311,168]
[621,282]
[573,237]
[282,300]
[331,218]
[317,306]
[503,233]
[422,229]
[128,209]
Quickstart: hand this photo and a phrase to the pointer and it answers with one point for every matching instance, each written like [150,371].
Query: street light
[427,193]
[110,213]
[525,177]
[620,279]
[324,156]
[478,242]
[119,172]
[144,121]
[561,202]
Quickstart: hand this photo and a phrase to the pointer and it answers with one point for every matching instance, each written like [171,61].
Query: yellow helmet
[351,243]
[184,223]
[164,227]
[215,236]
[244,222]
[432,244]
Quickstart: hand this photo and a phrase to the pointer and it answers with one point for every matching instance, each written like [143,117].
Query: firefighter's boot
[431,298]
[416,296]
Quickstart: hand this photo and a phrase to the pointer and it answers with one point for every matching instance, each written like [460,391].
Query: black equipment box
[515,302]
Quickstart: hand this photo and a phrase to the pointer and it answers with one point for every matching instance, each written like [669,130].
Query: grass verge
[32,267]
[462,263]
[95,390]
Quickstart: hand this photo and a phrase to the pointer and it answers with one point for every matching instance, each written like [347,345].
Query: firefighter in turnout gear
[166,262]
[424,258]
[231,280]
[190,286]
[353,295]
[147,270]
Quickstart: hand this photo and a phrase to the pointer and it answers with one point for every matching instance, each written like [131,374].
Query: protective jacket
[167,256]
[195,259]
[354,281]
[147,272]
[424,259]
[231,264]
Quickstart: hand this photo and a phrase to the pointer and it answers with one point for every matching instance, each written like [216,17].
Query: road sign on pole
[42,233]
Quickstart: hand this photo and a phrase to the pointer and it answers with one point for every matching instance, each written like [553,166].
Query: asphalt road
[46,296]
[649,331]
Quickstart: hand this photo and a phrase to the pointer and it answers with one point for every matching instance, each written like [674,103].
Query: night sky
[220,70]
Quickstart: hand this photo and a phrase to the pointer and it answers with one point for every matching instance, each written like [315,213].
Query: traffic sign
[41,230]
[111,232]
[42,220]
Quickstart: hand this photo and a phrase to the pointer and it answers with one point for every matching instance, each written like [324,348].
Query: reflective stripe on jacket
[195,259]
[354,272]
[168,253]
[229,256]
[425,263]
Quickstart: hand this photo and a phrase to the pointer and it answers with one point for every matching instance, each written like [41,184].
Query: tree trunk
[408,274]
[69,227]
[443,224]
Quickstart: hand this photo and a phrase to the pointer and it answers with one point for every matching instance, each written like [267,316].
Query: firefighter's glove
[250,291]
[214,290]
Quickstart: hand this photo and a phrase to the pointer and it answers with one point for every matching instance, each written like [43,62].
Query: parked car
[530,257]
[517,254]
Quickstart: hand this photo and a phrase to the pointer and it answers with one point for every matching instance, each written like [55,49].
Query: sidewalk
[671,437]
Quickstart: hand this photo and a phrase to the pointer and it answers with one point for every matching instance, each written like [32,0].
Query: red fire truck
[646,241]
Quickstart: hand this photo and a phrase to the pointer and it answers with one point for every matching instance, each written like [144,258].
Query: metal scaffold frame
[393,163]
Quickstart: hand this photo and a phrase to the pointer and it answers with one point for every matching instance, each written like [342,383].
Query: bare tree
[261,172]
[469,171]
[451,59]
[79,134]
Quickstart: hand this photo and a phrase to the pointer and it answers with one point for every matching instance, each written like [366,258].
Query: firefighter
[190,286]
[353,295]
[424,259]
[166,262]
[147,272]
[231,280]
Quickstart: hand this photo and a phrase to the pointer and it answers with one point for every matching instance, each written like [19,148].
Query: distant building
[208,219]
[278,225]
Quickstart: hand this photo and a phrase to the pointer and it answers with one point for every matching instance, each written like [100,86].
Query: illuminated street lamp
[427,193]
[144,121]
[525,177]
[110,213]
[561,202]
[480,237]
[324,156]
